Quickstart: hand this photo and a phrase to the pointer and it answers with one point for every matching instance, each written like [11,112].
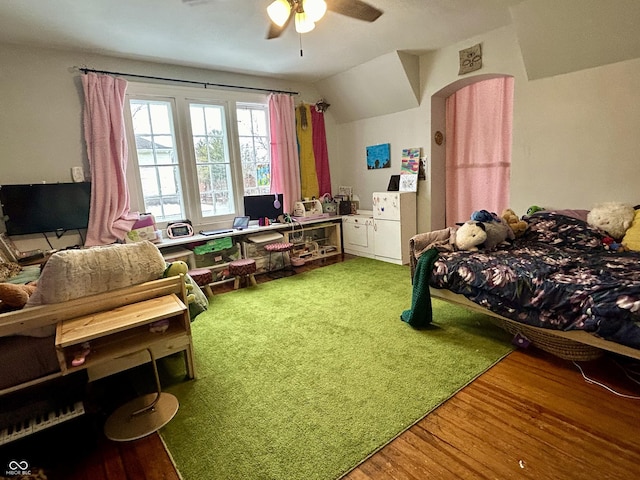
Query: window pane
[260,123]
[254,149]
[213,165]
[157,158]
[244,122]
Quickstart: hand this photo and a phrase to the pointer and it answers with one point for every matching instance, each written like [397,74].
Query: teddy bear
[510,218]
[15,295]
[613,218]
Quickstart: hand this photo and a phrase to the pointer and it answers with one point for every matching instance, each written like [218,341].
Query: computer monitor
[263,206]
[45,207]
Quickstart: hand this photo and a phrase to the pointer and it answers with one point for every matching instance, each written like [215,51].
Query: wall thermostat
[179,229]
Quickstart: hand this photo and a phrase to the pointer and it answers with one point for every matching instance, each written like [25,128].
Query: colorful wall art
[409,169]
[379,156]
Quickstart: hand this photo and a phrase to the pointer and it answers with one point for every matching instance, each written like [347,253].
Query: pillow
[631,238]
[71,274]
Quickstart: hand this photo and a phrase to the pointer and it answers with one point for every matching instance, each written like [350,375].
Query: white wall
[575,139]
[401,130]
[41,105]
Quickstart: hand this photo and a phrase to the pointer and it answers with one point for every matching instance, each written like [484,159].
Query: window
[213,166]
[254,148]
[157,159]
[196,153]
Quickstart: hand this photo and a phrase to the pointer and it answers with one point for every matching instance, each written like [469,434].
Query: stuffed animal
[470,236]
[196,299]
[517,226]
[613,246]
[179,267]
[613,218]
[497,233]
[484,216]
[15,295]
[474,235]
[533,209]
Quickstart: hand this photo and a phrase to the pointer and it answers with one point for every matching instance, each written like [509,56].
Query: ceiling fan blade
[275,31]
[354,9]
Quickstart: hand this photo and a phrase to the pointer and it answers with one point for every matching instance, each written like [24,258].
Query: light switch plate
[77,174]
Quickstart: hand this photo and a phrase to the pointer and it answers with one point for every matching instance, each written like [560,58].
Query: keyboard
[216,232]
[40,421]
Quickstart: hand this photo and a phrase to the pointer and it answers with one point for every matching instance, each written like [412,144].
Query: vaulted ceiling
[230,35]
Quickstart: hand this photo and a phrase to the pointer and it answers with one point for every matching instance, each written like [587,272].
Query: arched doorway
[438,174]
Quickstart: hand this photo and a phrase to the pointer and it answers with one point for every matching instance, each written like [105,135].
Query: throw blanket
[420,314]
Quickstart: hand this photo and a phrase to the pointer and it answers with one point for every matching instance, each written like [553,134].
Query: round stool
[202,277]
[281,247]
[243,268]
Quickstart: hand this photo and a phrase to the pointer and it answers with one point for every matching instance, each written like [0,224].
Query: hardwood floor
[530,416]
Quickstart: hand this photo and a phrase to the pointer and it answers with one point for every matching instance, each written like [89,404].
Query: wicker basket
[559,346]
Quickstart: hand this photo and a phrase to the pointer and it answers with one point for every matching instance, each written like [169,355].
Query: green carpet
[305,376]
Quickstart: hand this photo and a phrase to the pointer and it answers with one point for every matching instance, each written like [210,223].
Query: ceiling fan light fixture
[279,11]
[315,9]
[303,23]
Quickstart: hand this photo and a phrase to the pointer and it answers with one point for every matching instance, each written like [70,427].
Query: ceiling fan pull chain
[300,35]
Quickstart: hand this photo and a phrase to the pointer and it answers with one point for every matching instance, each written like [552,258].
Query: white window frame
[181,97]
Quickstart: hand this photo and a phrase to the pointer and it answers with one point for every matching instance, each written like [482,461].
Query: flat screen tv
[45,207]
[261,206]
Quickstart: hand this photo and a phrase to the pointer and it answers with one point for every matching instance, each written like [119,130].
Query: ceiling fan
[306,12]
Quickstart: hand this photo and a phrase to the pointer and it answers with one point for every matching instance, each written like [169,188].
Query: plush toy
[484,216]
[179,267]
[613,246]
[15,295]
[470,236]
[517,226]
[613,218]
[533,209]
[196,299]
[497,233]
[474,235]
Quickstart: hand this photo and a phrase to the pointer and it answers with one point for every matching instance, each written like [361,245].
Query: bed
[557,287]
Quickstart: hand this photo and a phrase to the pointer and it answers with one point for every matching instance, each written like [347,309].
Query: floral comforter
[558,275]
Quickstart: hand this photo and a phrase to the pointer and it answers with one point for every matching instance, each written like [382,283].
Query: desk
[181,248]
[252,230]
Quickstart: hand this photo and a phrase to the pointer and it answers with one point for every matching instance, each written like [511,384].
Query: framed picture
[345,191]
[379,156]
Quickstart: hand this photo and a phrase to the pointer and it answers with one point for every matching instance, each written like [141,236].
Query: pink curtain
[320,151]
[285,169]
[478,148]
[104,132]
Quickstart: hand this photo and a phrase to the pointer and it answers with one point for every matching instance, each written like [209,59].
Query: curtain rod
[192,82]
